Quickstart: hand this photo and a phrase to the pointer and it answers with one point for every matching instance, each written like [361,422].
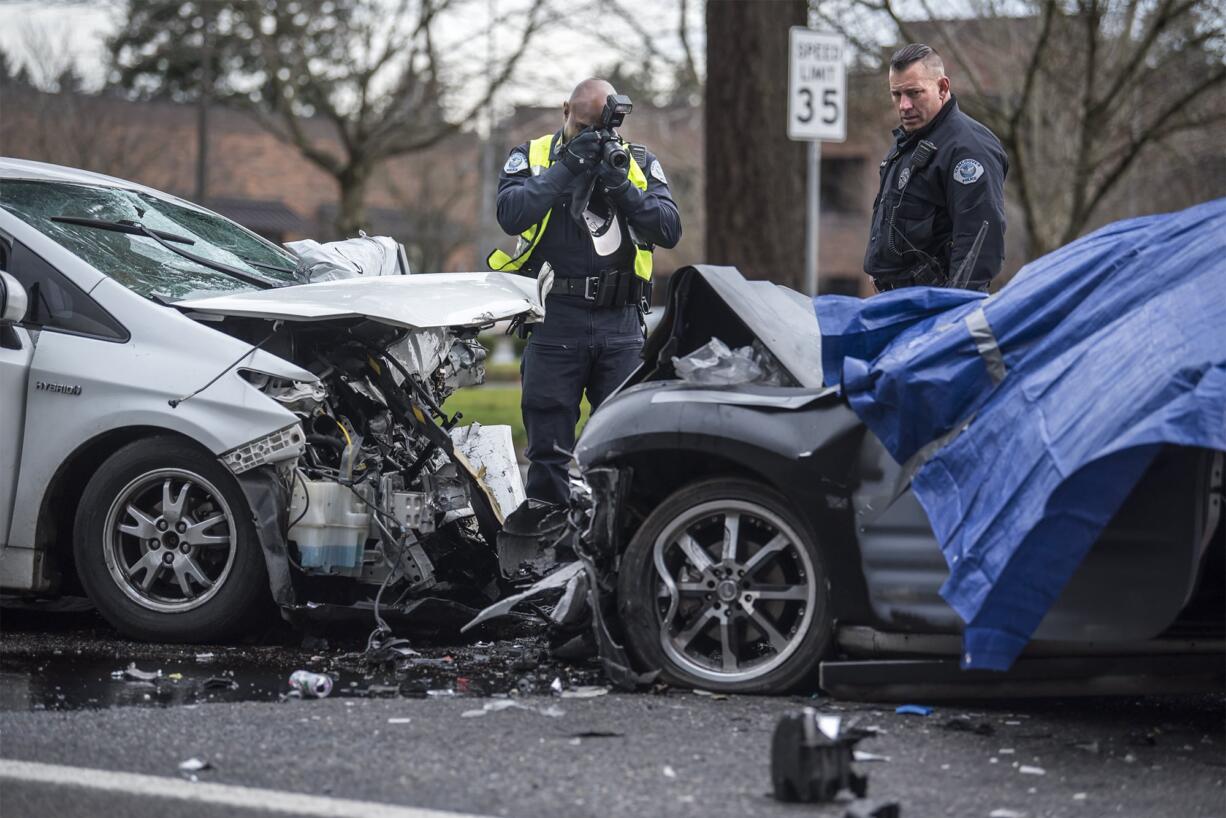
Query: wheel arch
[659,472]
[664,467]
[54,531]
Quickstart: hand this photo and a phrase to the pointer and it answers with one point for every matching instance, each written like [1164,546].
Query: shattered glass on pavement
[77,670]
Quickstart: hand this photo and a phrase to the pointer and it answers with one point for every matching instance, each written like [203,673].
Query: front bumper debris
[585,590]
[268,499]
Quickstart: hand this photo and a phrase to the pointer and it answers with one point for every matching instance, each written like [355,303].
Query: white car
[187,431]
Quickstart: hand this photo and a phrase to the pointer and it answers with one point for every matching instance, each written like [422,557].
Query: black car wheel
[723,588]
[165,546]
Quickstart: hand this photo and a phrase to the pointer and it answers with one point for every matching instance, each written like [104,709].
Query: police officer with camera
[588,209]
[939,216]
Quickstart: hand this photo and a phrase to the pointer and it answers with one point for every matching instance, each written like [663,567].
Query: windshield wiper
[164,239]
[241,275]
[121,226]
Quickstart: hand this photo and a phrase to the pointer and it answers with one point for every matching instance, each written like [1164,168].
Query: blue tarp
[1052,397]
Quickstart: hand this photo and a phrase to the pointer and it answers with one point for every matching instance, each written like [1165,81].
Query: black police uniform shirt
[937,211]
[571,249]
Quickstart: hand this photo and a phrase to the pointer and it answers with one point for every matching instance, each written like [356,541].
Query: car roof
[11,168]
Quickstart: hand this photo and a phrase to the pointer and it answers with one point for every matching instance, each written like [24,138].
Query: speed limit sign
[817,86]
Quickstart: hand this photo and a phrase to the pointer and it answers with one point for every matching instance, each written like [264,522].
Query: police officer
[939,216]
[591,338]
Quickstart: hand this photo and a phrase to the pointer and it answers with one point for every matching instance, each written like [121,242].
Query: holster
[924,274]
[622,287]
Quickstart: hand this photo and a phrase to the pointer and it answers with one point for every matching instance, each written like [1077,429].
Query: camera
[616,107]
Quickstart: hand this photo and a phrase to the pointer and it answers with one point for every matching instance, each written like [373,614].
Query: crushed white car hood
[411,301]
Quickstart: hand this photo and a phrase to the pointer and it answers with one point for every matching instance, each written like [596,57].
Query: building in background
[439,202]
[426,200]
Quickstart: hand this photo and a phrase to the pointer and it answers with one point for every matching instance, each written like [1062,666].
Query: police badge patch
[516,162]
[658,172]
[968,171]
[903,177]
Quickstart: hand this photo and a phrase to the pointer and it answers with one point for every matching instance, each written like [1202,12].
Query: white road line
[228,795]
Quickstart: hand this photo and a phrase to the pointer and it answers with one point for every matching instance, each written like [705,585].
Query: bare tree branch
[1087,123]
[950,45]
[1167,13]
[687,55]
[632,20]
[1115,173]
[836,22]
[1097,83]
[1036,60]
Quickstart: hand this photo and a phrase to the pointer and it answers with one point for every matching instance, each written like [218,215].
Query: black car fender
[802,443]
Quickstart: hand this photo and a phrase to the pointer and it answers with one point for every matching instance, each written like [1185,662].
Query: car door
[60,314]
[16,352]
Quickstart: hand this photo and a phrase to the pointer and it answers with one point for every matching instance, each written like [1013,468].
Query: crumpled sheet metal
[269,501]
[1111,347]
[558,579]
[348,258]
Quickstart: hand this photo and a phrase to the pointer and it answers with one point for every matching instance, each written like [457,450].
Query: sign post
[817,112]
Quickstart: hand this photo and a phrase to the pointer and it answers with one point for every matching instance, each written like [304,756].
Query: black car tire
[641,597]
[238,596]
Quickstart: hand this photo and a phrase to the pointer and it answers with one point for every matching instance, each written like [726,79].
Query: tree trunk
[755,175]
[351,217]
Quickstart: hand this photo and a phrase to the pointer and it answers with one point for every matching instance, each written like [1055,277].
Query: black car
[744,537]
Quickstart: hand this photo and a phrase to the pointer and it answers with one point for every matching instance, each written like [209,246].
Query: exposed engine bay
[390,498]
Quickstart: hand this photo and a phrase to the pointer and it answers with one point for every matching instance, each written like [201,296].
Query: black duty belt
[611,288]
[587,288]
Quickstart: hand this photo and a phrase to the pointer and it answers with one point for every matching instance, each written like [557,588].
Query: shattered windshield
[138,262]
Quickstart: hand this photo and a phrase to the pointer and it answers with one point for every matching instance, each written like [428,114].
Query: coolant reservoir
[332,533]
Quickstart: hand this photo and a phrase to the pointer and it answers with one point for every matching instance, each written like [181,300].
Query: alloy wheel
[737,590]
[169,540]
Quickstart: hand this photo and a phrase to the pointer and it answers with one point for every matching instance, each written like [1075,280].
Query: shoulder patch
[967,171]
[658,172]
[516,163]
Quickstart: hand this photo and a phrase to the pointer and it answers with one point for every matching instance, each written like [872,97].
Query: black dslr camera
[616,107]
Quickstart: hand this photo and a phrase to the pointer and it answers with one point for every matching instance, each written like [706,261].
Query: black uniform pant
[579,347]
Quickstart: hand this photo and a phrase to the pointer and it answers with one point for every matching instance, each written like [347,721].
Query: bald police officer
[939,216]
[592,337]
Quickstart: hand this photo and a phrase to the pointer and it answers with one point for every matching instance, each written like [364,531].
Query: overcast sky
[72,31]
[54,34]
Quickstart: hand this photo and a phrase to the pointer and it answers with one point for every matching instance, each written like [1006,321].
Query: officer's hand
[613,178]
[582,152]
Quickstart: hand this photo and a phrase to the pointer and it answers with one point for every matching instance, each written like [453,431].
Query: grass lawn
[502,374]
[497,405]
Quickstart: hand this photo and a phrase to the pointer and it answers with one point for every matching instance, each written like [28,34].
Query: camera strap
[581,199]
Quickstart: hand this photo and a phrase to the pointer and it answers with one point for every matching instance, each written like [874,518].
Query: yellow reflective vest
[540,157]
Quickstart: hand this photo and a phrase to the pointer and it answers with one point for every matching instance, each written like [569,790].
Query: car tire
[166,548]
[776,642]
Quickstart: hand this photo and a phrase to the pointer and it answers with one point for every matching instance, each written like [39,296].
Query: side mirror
[13,300]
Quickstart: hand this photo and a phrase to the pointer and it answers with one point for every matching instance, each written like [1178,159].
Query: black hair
[913,53]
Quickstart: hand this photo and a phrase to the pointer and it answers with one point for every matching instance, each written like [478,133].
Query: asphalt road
[667,753]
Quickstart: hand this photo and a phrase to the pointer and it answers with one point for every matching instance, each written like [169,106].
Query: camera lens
[616,155]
